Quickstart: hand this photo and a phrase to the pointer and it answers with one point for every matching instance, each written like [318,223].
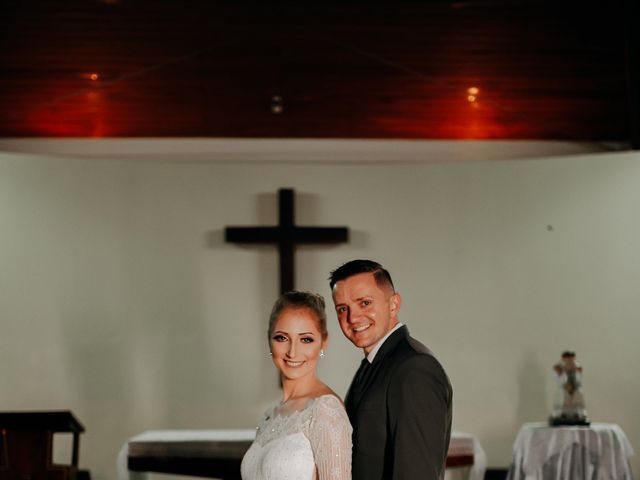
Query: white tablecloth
[459,441]
[177,436]
[599,452]
[475,471]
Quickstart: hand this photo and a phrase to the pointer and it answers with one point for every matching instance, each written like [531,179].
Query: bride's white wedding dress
[309,444]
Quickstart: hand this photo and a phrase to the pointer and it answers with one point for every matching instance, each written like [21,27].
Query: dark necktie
[361,373]
[357,385]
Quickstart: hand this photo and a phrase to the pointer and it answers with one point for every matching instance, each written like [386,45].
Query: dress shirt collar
[374,351]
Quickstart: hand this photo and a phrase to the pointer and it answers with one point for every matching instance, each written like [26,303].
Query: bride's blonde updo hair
[297,299]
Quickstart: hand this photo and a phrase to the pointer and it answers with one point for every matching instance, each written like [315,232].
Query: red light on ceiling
[93,76]
[472,94]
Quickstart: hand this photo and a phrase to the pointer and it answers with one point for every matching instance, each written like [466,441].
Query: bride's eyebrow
[306,333]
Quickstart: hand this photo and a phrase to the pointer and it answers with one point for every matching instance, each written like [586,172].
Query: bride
[308,435]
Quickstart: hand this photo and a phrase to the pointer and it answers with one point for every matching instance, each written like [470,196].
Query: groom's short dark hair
[355,267]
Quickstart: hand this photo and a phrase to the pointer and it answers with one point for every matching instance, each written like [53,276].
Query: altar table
[218,453]
[600,451]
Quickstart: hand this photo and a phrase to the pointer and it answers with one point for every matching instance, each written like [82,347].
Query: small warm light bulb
[277,104]
[94,76]
[472,94]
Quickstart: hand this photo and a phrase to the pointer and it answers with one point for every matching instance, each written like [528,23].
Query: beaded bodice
[308,444]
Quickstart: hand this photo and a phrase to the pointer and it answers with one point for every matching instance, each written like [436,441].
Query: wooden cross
[286,235]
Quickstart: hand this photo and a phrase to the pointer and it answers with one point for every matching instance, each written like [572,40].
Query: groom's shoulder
[409,347]
[411,351]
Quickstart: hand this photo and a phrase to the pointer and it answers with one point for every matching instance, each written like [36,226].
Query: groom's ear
[394,304]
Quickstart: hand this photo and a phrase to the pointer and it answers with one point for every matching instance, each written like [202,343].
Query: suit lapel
[357,392]
[390,343]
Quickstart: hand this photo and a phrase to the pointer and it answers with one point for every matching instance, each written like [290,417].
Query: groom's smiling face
[366,311]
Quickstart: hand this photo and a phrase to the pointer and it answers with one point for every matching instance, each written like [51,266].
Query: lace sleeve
[330,438]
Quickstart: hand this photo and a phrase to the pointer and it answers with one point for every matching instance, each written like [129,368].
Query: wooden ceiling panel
[342,70]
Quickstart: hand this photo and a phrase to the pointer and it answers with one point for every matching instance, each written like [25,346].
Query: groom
[399,402]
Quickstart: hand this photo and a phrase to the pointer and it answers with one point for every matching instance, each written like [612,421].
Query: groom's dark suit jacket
[400,413]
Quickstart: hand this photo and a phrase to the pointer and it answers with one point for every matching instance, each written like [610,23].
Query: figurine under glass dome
[568,405]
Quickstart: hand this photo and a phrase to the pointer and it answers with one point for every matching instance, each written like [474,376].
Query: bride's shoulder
[329,399]
[329,403]
[329,415]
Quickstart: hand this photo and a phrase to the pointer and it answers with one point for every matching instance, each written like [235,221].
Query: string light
[472,94]
[277,104]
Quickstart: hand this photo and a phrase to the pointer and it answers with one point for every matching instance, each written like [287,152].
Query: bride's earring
[321,353]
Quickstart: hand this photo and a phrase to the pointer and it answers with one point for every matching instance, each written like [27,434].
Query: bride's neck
[298,388]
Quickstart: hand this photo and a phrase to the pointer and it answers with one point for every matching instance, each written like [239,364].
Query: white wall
[120,300]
